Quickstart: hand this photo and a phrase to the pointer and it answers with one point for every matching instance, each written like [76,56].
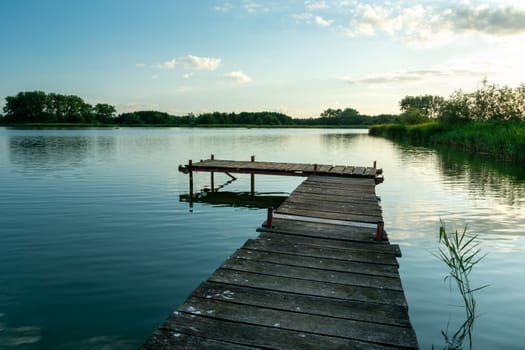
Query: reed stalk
[460,252]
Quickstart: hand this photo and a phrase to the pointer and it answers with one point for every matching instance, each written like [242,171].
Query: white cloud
[140,65]
[253,7]
[168,64]
[225,7]
[433,25]
[200,63]
[187,75]
[409,76]
[315,5]
[320,21]
[238,76]
[303,17]
[191,62]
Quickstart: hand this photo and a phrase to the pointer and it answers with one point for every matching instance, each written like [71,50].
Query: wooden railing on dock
[318,276]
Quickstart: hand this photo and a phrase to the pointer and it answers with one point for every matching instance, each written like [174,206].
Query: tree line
[490,102]
[39,107]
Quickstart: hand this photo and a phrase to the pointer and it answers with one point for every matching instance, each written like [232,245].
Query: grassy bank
[499,140]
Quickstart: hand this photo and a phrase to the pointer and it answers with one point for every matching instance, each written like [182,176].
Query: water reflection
[56,153]
[237,199]
[484,177]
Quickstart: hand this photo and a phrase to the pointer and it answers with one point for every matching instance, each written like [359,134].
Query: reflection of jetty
[236,199]
[321,275]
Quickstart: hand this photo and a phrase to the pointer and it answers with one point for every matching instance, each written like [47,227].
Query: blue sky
[296,57]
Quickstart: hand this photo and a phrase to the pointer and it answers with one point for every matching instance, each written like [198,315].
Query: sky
[298,57]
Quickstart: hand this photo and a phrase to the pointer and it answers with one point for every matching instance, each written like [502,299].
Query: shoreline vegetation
[488,121]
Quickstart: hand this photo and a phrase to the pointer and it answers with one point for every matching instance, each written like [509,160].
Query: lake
[96,247]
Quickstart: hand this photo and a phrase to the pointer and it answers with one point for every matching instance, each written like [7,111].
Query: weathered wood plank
[346,309]
[251,335]
[350,233]
[237,263]
[338,169]
[294,321]
[324,168]
[166,339]
[372,246]
[284,209]
[323,263]
[359,170]
[341,207]
[308,287]
[320,252]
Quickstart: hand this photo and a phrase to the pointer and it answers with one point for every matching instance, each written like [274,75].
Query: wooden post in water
[269,218]
[315,169]
[190,173]
[212,177]
[380,231]
[375,164]
[252,179]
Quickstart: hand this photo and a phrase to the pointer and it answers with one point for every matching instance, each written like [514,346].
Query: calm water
[96,249]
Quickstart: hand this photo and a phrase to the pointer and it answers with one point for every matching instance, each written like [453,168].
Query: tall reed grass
[460,252]
[499,139]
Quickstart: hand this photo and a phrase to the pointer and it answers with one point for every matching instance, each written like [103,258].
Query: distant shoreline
[229,126]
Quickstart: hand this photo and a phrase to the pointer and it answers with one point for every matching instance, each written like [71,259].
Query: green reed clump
[460,252]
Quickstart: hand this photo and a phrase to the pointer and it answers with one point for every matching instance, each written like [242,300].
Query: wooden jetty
[320,275]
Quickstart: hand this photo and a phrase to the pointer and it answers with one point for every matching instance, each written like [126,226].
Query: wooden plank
[336,191]
[359,171]
[324,168]
[317,198]
[349,170]
[252,335]
[349,181]
[338,169]
[330,231]
[319,252]
[237,263]
[294,321]
[306,287]
[342,207]
[328,215]
[347,189]
[346,309]
[371,171]
[371,246]
[167,339]
[313,262]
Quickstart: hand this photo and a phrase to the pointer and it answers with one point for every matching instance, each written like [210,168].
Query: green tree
[104,113]
[413,116]
[26,107]
[429,104]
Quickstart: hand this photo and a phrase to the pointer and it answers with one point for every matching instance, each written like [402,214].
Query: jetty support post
[375,164]
[190,173]
[212,177]
[252,179]
[380,233]
[315,169]
[269,218]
